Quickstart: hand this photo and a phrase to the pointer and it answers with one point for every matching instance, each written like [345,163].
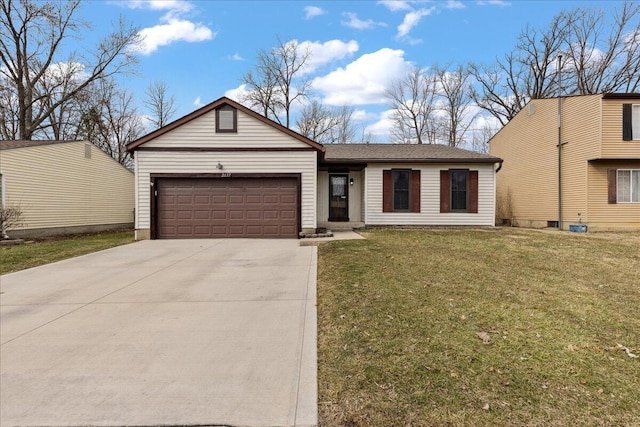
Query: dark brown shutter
[415,191]
[473,192]
[612,189]
[387,191]
[627,133]
[445,192]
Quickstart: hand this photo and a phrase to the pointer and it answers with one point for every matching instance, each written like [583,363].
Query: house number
[226,174]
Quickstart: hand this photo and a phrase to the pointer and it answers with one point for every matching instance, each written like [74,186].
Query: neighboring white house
[64,187]
[226,171]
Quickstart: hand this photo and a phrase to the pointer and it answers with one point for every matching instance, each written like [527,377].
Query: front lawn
[402,317]
[45,251]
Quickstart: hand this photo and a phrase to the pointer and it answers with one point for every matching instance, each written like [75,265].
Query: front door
[339,197]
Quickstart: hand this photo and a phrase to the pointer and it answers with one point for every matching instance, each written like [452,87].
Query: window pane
[401,200]
[635,186]
[338,184]
[459,190]
[401,190]
[226,119]
[635,122]
[624,186]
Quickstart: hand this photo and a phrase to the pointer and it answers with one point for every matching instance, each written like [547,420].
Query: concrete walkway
[187,332]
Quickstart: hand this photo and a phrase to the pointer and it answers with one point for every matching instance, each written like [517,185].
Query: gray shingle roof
[424,153]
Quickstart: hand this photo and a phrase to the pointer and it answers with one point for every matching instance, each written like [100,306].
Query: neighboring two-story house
[593,179]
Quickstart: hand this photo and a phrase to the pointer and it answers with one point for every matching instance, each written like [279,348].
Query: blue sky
[201,49]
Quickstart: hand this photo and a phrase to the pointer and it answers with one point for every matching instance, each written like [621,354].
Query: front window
[459,180]
[401,185]
[628,186]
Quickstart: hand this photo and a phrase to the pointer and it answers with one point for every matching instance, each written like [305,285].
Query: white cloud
[382,127]
[324,53]
[363,81]
[171,5]
[412,19]
[237,94]
[493,3]
[455,4]
[313,11]
[236,57]
[198,103]
[395,5]
[358,24]
[172,31]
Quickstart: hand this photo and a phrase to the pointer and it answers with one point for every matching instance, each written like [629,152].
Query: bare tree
[160,104]
[413,100]
[31,35]
[326,125]
[455,103]
[278,80]
[599,55]
[112,121]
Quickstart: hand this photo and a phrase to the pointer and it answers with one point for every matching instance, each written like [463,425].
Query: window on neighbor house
[226,119]
[401,190]
[631,122]
[628,186]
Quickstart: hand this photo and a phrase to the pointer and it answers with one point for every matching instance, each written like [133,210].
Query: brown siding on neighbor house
[613,144]
[602,214]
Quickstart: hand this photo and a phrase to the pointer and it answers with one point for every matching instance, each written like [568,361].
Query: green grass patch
[45,251]
[399,316]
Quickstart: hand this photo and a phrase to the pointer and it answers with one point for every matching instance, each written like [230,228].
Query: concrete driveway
[185,332]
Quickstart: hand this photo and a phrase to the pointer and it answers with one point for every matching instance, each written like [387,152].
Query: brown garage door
[227,207]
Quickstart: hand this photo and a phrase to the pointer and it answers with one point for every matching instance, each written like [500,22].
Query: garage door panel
[227,207]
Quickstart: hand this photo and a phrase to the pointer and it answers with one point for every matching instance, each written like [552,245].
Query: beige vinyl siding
[235,162]
[613,147]
[528,145]
[581,138]
[605,216]
[201,132]
[429,197]
[56,186]
[323,196]
[355,195]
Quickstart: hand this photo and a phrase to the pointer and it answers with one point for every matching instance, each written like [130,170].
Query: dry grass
[400,312]
[48,250]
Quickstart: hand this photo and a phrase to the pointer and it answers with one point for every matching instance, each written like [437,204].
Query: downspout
[559,144]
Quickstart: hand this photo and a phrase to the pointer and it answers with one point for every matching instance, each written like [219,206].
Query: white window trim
[631,187]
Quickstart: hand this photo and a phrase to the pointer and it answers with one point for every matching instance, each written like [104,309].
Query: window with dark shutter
[401,190]
[458,191]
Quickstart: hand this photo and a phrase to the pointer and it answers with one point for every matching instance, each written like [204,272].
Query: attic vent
[532,109]
[87,151]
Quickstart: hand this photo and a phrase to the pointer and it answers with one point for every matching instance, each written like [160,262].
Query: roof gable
[212,107]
